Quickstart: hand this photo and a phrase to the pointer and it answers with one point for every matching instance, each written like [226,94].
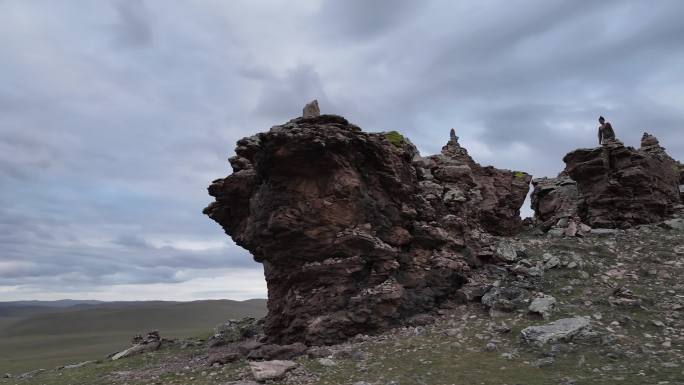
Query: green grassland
[31,339]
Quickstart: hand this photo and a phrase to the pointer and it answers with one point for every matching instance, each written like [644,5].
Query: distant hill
[46,334]
[57,303]
[134,316]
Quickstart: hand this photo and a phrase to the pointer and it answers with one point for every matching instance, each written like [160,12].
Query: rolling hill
[44,335]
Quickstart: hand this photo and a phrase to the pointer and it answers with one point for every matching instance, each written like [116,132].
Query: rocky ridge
[357,232]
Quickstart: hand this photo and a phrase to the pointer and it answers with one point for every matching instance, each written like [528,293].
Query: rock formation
[356,231]
[612,186]
[149,343]
[554,200]
[311,110]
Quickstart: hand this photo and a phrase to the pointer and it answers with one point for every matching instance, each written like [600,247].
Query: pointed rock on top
[311,110]
[452,136]
[648,140]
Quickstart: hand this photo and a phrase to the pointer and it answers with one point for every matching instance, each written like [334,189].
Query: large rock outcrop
[356,231]
[612,186]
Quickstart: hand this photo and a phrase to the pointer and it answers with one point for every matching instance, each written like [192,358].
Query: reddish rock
[554,199]
[620,186]
[485,195]
[277,352]
[222,357]
[356,231]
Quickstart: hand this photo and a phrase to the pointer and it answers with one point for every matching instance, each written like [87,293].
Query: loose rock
[270,370]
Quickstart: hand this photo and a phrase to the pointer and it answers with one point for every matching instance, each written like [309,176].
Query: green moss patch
[395,138]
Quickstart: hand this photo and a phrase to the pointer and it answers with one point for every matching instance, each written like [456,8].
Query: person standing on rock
[605,131]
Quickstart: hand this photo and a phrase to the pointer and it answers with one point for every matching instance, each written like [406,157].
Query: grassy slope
[72,335]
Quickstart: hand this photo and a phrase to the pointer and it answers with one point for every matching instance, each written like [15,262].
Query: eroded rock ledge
[356,231]
[612,186]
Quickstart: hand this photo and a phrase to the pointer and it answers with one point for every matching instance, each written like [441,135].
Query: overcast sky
[116,115]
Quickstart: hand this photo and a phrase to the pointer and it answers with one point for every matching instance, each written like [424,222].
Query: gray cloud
[363,19]
[133,27]
[114,116]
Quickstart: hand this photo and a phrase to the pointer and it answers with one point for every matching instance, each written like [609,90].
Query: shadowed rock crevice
[356,231]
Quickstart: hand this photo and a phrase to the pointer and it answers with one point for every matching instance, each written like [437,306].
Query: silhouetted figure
[605,131]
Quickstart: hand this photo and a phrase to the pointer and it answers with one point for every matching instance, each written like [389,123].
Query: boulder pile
[357,232]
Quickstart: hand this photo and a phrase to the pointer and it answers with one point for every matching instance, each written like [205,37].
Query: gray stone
[31,374]
[270,370]
[543,304]
[318,352]
[311,110]
[544,362]
[563,222]
[674,224]
[327,362]
[470,293]
[79,365]
[551,261]
[454,195]
[603,231]
[505,299]
[506,251]
[236,330]
[561,330]
[136,349]
[556,232]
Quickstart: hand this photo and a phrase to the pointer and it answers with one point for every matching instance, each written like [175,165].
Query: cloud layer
[115,115]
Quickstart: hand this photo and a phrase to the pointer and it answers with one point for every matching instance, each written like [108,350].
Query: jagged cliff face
[355,230]
[612,186]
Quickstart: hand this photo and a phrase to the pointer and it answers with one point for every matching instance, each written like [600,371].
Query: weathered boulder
[543,305]
[141,344]
[505,299]
[356,231]
[564,330]
[270,370]
[236,330]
